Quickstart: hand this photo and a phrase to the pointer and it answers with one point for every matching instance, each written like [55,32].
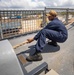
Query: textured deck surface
[60,58]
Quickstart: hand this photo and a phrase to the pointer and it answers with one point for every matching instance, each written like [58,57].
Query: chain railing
[19,22]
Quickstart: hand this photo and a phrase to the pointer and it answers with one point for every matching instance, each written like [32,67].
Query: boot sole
[33,60]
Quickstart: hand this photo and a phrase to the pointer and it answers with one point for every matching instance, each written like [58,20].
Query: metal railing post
[1,33]
[67,15]
[44,17]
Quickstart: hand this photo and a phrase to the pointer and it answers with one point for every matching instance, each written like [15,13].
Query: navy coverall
[55,31]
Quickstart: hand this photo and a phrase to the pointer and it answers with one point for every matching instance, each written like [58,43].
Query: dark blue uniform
[55,31]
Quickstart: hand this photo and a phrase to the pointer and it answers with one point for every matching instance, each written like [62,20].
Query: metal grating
[18,22]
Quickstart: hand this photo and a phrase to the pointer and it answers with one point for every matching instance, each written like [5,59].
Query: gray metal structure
[9,64]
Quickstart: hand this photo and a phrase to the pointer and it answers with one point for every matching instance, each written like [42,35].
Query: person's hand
[30,40]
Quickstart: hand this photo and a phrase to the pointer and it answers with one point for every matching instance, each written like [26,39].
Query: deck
[60,58]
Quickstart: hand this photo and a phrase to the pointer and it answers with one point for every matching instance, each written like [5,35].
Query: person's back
[59,27]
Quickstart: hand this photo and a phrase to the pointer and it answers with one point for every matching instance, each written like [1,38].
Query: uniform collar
[55,18]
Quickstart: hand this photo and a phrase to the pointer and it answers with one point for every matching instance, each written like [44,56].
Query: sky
[33,4]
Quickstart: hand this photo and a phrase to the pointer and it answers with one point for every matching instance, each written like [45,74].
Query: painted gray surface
[9,64]
[60,58]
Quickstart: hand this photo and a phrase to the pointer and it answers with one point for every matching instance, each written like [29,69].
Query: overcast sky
[28,4]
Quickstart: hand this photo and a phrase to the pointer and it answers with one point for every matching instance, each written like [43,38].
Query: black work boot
[53,43]
[35,57]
